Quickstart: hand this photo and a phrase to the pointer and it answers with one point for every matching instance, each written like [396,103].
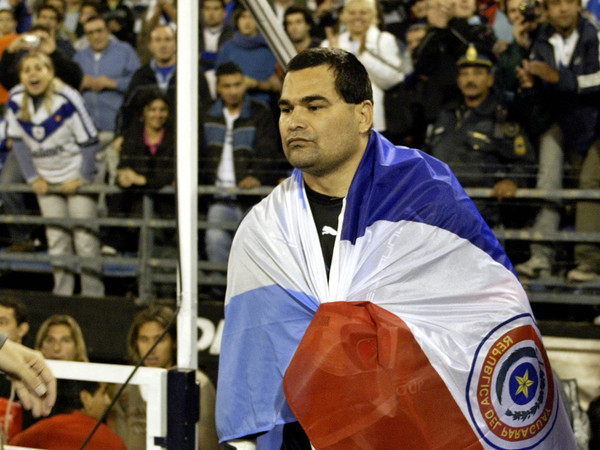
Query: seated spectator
[160,73]
[377,50]
[8,34]
[80,404]
[108,65]
[13,322]
[60,337]
[213,33]
[249,50]
[148,326]
[239,149]
[37,38]
[119,19]
[147,163]
[479,142]
[88,10]
[158,12]
[51,18]
[71,19]
[298,24]
[564,75]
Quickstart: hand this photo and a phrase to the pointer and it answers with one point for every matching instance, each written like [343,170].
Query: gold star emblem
[524,384]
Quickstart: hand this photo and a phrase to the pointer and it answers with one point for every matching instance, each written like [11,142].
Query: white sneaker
[583,273]
[534,267]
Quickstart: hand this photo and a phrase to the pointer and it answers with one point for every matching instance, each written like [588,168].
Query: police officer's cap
[475,57]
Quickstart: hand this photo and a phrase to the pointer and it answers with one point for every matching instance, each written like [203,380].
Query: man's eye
[285,110]
[314,107]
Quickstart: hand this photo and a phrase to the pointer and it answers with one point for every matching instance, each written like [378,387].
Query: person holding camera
[563,73]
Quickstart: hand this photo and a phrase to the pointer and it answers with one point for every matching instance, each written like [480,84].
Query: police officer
[476,139]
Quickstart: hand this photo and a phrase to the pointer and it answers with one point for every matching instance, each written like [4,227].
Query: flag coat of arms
[421,338]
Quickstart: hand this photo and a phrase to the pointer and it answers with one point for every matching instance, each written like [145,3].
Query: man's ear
[365,116]
[84,398]
[23,329]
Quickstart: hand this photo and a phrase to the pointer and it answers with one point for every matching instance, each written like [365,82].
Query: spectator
[249,50]
[67,71]
[434,60]
[564,75]
[119,19]
[8,34]
[240,144]
[81,405]
[377,50]
[414,35]
[159,12]
[60,337]
[50,17]
[147,162]
[214,32]
[106,76]
[88,10]
[528,110]
[480,144]
[8,24]
[71,19]
[587,220]
[298,24]
[55,144]
[13,322]
[148,325]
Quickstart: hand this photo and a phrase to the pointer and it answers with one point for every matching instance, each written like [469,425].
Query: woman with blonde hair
[55,142]
[60,337]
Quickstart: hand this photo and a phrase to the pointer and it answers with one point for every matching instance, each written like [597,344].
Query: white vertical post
[187,180]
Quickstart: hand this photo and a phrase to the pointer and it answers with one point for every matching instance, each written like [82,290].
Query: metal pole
[187,181]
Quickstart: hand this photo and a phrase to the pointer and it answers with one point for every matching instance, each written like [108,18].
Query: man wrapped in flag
[368,304]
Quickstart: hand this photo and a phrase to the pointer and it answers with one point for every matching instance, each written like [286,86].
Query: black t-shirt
[326,211]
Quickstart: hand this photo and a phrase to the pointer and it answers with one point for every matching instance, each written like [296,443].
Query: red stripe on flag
[359,380]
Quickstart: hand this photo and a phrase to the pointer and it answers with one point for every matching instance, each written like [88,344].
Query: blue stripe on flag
[270,323]
[401,183]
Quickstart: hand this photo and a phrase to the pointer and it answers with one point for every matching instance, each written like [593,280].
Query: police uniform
[481,145]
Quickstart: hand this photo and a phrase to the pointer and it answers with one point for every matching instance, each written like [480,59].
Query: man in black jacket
[240,148]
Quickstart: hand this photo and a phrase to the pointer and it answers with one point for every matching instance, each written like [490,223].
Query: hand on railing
[40,186]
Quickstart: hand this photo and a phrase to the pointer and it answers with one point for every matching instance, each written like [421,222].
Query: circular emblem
[511,394]
[38,132]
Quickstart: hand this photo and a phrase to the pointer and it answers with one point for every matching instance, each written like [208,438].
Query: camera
[32,40]
[528,10]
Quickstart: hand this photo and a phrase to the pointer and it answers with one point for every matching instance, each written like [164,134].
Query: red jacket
[66,432]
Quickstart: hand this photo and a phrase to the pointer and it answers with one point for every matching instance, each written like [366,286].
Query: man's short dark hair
[17,306]
[222,2]
[228,68]
[93,18]
[351,78]
[68,395]
[8,11]
[297,9]
[50,8]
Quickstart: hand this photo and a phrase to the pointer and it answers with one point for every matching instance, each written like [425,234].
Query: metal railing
[149,269]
